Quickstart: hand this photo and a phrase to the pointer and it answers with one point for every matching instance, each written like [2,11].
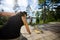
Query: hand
[29,32]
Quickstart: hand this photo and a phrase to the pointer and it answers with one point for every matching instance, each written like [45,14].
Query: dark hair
[25,13]
[22,13]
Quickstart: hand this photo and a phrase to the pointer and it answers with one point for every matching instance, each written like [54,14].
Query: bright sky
[22,3]
[9,4]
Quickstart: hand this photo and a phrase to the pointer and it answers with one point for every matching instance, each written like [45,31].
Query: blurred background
[39,11]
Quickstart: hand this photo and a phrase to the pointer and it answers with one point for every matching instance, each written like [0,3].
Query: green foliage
[41,22]
[37,17]
[54,1]
[58,12]
[41,1]
[3,20]
[51,16]
[37,20]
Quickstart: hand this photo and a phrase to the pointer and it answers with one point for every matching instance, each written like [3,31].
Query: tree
[58,12]
[43,2]
[37,17]
[54,1]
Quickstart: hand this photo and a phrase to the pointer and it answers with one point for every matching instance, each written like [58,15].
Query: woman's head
[25,13]
[22,13]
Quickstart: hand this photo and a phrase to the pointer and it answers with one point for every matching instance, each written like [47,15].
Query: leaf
[41,1]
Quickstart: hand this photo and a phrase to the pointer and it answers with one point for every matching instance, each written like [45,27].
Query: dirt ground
[51,31]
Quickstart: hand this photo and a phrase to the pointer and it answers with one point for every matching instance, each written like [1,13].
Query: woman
[11,30]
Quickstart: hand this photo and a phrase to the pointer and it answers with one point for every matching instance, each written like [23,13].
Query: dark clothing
[12,28]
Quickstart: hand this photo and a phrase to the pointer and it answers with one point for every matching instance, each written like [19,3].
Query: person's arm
[26,24]
[7,14]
